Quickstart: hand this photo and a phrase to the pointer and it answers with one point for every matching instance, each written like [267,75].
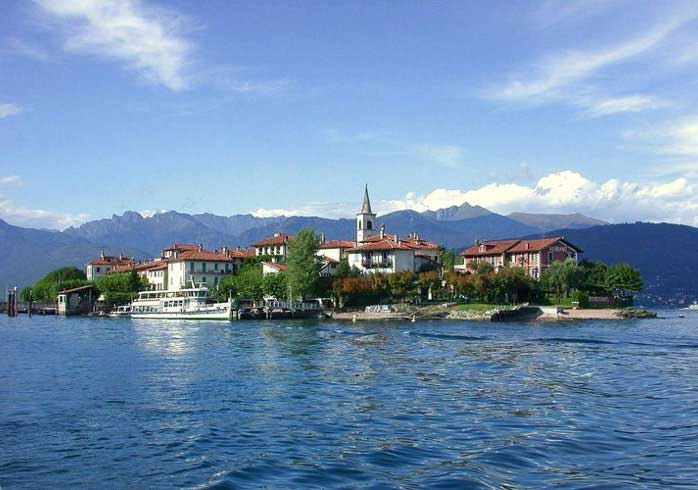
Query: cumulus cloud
[149,40]
[38,218]
[7,110]
[569,192]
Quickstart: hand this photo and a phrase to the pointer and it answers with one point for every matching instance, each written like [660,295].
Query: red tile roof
[240,253]
[116,261]
[387,243]
[277,239]
[139,267]
[183,246]
[337,244]
[77,289]
[202,255]
[418,243]
[498,247]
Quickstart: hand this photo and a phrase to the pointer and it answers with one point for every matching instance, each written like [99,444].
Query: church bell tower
[365,220]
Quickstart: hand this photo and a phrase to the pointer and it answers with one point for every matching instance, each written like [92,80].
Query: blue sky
[290,107]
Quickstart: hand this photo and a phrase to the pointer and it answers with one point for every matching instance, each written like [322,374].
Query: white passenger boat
[694,306]
[183,304]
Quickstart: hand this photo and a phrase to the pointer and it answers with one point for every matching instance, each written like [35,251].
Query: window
[550,257]
[97,269]
[359,225]
[203,266]
[215,266]
[203,279]
[191,266]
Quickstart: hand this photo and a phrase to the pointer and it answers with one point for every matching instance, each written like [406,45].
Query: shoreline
[525,313]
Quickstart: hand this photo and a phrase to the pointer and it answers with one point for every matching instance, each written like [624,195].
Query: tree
[248,283]
[46,288]
[448,260]
[401,284]
[594,276]
[343,269]
[624,277]
[120,288]
[226,288]
[561,277]
[303,264]
[484,268]
[275,285]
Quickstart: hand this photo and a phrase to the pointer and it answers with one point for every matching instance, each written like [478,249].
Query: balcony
[382,264]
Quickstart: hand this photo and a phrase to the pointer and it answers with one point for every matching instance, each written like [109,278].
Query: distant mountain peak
[551,221]
[456,213]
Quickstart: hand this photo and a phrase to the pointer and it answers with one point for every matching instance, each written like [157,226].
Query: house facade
[534,256]
[275,246]
[104,264]
[202,267]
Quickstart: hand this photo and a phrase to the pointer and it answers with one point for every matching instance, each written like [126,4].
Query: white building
[272,268]
[98,267]
[203,267]
[275,246]
[378,252]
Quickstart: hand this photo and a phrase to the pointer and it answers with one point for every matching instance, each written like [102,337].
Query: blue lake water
[98,403]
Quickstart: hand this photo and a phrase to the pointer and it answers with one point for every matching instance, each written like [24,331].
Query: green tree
[275,285]
[226,288]
[624,277]
[46,288]
[303,264]
[249,282]
[448,260]
[561,277]
[594,276]
[484,267]
[343,269]
[120,288]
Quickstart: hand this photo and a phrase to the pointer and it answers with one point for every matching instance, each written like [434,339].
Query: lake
[119,403]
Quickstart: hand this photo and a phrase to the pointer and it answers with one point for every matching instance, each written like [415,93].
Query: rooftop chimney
[201,247]
[382,231]
[322,237]
[101,254]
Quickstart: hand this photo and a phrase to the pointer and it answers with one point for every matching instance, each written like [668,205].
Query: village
[373,274]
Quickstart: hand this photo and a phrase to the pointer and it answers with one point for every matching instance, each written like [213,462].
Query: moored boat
[694,306]
[183,304]
[121,311]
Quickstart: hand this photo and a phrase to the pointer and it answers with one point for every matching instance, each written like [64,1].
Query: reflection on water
[97,403]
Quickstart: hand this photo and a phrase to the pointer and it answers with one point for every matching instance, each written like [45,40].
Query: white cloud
[568,192]
[567,77]
[15,180]
[683,138]
[149,40]
[274,212]
[38,218]
[147,213]
[616,105]
[7,110]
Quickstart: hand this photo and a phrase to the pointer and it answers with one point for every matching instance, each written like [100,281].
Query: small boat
[183,304]
[121,311]
[694,306]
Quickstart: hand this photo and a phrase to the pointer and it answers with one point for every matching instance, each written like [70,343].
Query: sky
[290,108]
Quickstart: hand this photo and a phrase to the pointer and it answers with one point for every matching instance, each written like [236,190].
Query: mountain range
[30,253]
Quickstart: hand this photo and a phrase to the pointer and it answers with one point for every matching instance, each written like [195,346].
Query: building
[98,267]
[275,246]
[154,272]
[534,256]
[273,268]
[375,251]
[202,267]
[76,301]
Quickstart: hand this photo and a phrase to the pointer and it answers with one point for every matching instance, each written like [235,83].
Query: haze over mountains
[30,253]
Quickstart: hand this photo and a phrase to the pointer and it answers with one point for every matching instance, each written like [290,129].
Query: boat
[182,304]
[694,306]
[121,311]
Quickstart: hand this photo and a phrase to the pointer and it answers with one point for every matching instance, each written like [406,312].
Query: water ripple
[88,403]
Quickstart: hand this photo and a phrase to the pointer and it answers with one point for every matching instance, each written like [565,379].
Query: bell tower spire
[365,220]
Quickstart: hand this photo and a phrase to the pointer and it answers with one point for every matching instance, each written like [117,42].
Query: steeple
[366,207]
[365,220]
